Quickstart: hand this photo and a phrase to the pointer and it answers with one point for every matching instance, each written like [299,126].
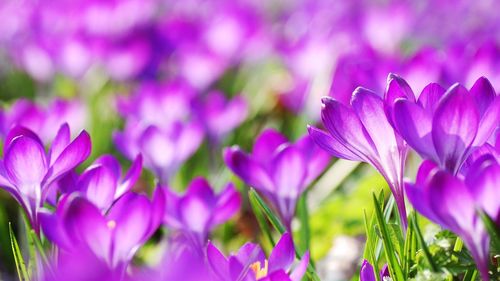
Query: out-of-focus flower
[446,126]
[278,169]
[159,127]
[163,150]
[199,210]
[367,273]
[221,116]
[27,171]
[42,120]
[250,263]
[363,132]
[79,226]
[102,184]
[451,202]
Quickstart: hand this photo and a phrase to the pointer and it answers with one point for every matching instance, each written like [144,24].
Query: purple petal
[430,97]
[60,142]
[384,272]
[414,124]
[483,180]
[157,148]
[266,144]
[490,121]
[190,138]
[196,206]
[483,93]
[301,268]
[345,126]
[159,202]
[283,254]
[331,145]
[316,158]
[110,162]
[218,263]
[85,223]
[131,215]
[288,172]
[367,272]
[99,186]
[19,131]
[131,177]
[172,208]
[26,164]
[247,169]
[397,88]
[454,127]
[250,253]
[74,154]
[228,204]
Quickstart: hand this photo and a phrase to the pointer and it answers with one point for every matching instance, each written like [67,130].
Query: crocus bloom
[367,272]
[199,210]
[163,150]
[27,171]
[42,120]
[446,126]
[221,116]
[101,183]
[452,202]
[363,132]
[278,169]
[79,226]
[250,263]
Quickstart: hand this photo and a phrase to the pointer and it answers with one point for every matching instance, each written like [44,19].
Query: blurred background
[227,69]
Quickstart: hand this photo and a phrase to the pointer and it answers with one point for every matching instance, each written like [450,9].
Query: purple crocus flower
[367,273]
[363,132]
[446,126]
[43,119]
[221,116]
[199,210]
[250,263]
[102,184]
[27,171]
[113,238]
[452,202]
[278,169]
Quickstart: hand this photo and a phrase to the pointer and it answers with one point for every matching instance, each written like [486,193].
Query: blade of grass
[371,239]
[424,247]
[303,215]
[260,219]
[21,269]
[394,266]
[408,250]
[278,225]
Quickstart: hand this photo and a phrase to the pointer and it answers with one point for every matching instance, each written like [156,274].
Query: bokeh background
[233,68]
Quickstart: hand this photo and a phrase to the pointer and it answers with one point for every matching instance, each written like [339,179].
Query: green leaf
[493,230]
[21,269]
[303,215]
[423,245]
[371,240]
[260,218]
[410,250]
[257,201]
[389,249]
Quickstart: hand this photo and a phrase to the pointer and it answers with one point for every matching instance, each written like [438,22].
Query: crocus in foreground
[278,169]
[452,202]
[363,132]
[27,171]
[367,273]
[446,126]
[79,226]
[250,263]
[199,210]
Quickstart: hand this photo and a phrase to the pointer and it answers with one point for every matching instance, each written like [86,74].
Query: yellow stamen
[260,272]
[111,224]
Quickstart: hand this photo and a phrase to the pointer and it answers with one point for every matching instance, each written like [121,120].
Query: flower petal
[367,272]
[299,271]
[414,124]
[430,96]
[331,144]
[483,93]
[247,169]
[266,144]
[454,127]
[99,185]
[131,177]
[490,121]
[228,204]
[60,142]
[283,254]
[74,154]
[26,164]
[218,263]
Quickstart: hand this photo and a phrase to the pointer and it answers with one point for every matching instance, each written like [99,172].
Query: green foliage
[22,271]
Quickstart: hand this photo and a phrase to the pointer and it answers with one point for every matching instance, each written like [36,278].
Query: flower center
[260,272]
[111,224]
